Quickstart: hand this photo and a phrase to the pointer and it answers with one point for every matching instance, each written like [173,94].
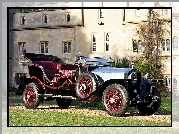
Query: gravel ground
[98,112]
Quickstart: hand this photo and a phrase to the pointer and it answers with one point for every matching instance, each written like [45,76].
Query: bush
[122,63]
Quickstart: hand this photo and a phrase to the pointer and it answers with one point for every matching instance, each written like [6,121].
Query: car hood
[107,73]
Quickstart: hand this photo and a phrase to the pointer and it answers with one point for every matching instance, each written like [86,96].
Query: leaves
[152,33]
[122,63]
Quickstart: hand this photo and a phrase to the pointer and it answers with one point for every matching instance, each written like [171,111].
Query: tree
[152,32]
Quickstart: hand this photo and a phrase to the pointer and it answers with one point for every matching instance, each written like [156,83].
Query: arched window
[45,18]
[22,20]
[68,17]
[175,43]
[168,44]
[107,37]
[163,45]
[107,41]
[135,47]
[139,46]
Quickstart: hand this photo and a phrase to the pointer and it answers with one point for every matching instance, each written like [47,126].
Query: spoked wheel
[63,103]
[115,100]
[85,85]
[30,96]
[153,104]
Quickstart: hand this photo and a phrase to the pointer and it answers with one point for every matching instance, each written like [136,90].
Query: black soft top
[42,57]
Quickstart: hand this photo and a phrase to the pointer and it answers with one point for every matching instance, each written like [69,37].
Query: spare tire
[86,84]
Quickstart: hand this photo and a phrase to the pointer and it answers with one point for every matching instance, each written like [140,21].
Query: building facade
[92,32]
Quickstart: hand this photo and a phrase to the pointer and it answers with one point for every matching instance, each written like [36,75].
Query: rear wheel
[115,100]
[63,103]
[153,105]
[30,96]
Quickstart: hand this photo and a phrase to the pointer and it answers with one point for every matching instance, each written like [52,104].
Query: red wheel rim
[113,100]
[30,96]
[85,86]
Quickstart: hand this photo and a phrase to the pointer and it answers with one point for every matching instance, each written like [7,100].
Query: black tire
[63,103]
[123,99]
[149,109]
[30,96]
[83,92]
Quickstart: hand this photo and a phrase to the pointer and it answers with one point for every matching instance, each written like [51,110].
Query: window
[101,13]
[44,18]
[175,84]
[93,42]
[175,43]
[67,17]
[167,81]
[22,20]
[21,46]
[137,45]
[66,47]
[44,47]
[168,44]
[138,13]
[107,40]
[165,45]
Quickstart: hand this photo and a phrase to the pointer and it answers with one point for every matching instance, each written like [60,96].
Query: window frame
[19,46]
[45,19]
[46,48]
[68,17]
[68,51]
[22,20]
[135,47]
[167,47]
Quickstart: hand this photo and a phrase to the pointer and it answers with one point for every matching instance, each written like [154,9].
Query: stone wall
[57,30]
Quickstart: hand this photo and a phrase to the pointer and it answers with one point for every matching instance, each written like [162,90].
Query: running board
[57,96]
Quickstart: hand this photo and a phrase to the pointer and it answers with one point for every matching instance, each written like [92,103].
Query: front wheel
[30,96]
[153,106]
[115,100]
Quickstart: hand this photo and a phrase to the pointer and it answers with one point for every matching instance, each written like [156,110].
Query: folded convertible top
[38,57]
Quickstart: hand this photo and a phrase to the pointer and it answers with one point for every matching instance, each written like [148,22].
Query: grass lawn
[24,117]
[19,117]
[165,106]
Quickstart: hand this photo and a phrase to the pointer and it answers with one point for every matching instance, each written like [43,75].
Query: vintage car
[86,80]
